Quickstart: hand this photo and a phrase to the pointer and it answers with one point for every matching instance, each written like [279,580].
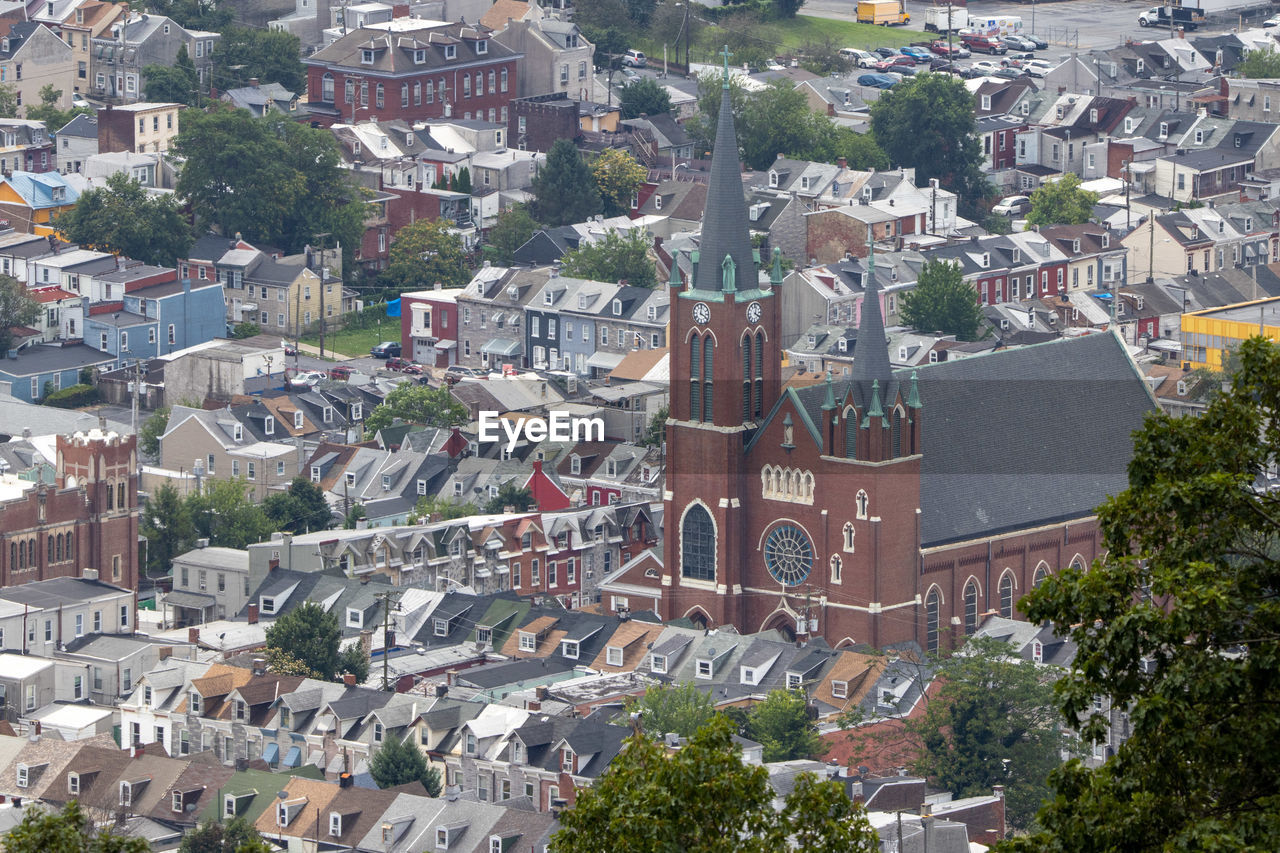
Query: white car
[307,378]
[1037,67]
[1273,21]
[986,66]
[1012,205]
[859,58]
[634,59]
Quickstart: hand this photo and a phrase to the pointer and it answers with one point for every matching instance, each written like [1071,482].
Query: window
[932,606]
[613,655]
[970,608]
[79,624]
[77,687]
[698,545]
[528,642]
[73,783]
[450,51]
[378,732]
[840,689]
[704,669]
[1006,596]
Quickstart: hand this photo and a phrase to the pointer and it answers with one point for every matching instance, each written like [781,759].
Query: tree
[443,509]
[224,514]
[610,42]
[399,762]
[564,191]
[644,97]
[519,498]
[176,84]
[300,509]
[272,56]
[48,111]
[353,517]
[280,661]
[993,722]
[237,836]
[193,14]
[703,799]
[942,301]
[1178,625]
[354,660]
[512,230]
[417,404]
[617,176]
[681,709]
[168,528]
[620,256]
[8,101]
[1062,202]
[1260,64]
[310,634]
[68,831]
[123,218]
[422,254]
[782,726]
[151,430]
[702,127]
[777,120]
[824,58]
[656,432]
[927,122]
[245,329]
[17,308]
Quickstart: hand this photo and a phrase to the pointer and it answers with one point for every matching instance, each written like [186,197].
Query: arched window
[836,565]
[493,83]
[931,607]
[120,501]
[13,555]
[111,496]
[431,92]
[758,403]
[1041,573]
[698,545]
[70,549]
[61,537]
[708,349]
[22,554]
[895,431]
[379,94]
[746,379]
[349,90]
[1006,596]
[970,608]
[504,79]
[850,434]
[48,542]
[695,378]
[326,88]
[404,94]
[848,536]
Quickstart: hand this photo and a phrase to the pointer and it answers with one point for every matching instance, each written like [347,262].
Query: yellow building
[31,201]
[1207,335]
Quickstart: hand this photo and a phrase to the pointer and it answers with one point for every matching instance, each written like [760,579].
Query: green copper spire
[913,398]
[728,275]
[875,411]
[829,402]
[726,54]
[673,281]
[775,274]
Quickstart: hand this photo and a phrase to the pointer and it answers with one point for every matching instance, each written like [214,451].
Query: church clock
[701,314]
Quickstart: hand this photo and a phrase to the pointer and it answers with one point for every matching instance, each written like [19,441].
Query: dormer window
[658,663]
[242,710]
[450,51]
[569,648]
[73,783]
[611,467]
[1093,116]
[193,702]
[1199,137]
[842,345]
[355,618]
[482,47]
[613,655]
[419,57]
[366,57]
[297,420]
[1182,388]
[548,298]
[237,432]
[270,426]
[335,824]
[1075,245]
[1106,240]
[327,415]
[566,760]
[575,464]
[386,482]
[773,178]
[704,669]
[617,307]
[1164,130]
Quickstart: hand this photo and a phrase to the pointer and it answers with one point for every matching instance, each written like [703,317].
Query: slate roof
[726,230]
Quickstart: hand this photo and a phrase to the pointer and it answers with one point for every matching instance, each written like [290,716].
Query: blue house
[30,370]
[157,319]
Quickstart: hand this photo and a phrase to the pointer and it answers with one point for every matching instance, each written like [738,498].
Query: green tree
[400,762]
[167,526]
[444,508]
[300,509]
[462,181]
[617,175]
[859,149]
[823,57]
[272,56]
[353,517]
[151,430]
[224,514]
[644,97]
[422,254]
[193,14]
[656,432]
[282,662]
[620,256]
[519,498]
[213,837]
[703,799]
[246,329]
[672,708]
[1260,65]
[512,230]
[1179,625]
[48,111]
[68,831]
[175,84]
[942,301]
[8,101]
[417,404]
[927,122]
[355,661]
[564,191]
[17,308]
[310,634]
[123,218]
[782,726]
[702,126]
[1062,202]
[992,722]
[777,120]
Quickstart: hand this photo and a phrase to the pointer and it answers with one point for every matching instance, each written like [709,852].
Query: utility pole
[1151,246]
[320,238]
[137,380]
[389,600]
[951,59]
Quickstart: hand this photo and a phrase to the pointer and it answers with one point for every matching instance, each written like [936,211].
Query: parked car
[1040,44]
[1038,67]
[877,81]
[984,44]
[858,58]
[634,59]
[341,373]
[289,349]
[919,54]
[896,63]
[955,50]
[1017,60]
[1273,21]
[1018,42]
[884,52]
[306,378]
[455,373]
[386,349]
[1012,205]
[401,364]
[1009,73]
[986,66]
[939,63]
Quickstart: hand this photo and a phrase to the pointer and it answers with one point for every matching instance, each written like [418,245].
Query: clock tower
[725,375]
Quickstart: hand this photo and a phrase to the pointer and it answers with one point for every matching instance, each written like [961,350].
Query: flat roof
[19,667]
[1259,311]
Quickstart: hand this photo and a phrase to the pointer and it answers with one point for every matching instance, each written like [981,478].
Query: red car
[340,373]
[943,49]
[401,364]
[895,62]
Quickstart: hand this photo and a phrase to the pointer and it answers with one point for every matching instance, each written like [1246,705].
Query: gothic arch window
[848,537]
[708,356]
[22,554]
[1077,563]
[850,433]
[70,552]
[326,88]
[698,544]
[895,431]
[862,502]
[807,492]
[836,566]
[970,607]
[746,379]
[13,555]
[111,496]
[48,541]
[1041,572]
[121,503]
[757,405]
[932,612]
[1006,594]
[695,378]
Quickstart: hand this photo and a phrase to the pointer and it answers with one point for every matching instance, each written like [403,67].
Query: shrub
[74,397]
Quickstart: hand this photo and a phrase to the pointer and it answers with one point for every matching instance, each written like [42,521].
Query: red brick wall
[392,108]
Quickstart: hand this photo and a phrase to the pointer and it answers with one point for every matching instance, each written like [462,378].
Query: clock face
[754,312]
[701,313]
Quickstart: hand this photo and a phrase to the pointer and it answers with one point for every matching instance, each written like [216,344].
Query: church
[884,508]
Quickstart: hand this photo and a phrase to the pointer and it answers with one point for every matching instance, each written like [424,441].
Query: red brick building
[887,507]
[87,520]
[412,69]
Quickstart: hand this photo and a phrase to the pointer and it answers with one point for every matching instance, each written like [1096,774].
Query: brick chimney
[253,81]
[349,679]
[253,614]
[193,635]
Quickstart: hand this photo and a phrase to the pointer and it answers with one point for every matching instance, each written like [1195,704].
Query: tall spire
[725,227]
[871,352]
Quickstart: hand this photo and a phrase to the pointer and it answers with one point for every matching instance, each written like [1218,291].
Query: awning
[193,600]
[271,754]
[497,346]
[293,757]
[446,345]
[605,360]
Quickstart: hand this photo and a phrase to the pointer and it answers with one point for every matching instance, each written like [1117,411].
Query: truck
[935,19]
[1187,17]
[1002,25]
[886,13]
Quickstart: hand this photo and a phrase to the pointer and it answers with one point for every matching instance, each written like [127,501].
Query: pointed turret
[725,227]
[871,352]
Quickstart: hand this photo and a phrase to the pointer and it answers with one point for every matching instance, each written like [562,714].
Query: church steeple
[871,352]
[725,227]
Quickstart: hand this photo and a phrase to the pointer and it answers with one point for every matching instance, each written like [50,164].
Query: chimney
[259,666]
[346,780]
[137,750]
[193,635]
[998,791]
[253,613]
[533,705]
[542,692]
[349,679]
[842,162]
[451,677]
[253,81]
